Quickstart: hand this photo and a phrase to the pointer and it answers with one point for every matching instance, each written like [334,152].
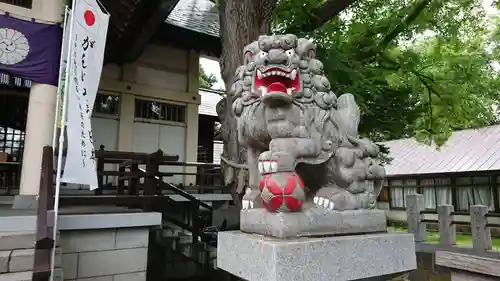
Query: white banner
[88,39]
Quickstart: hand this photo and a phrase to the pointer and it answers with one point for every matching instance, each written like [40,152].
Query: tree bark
[241,22]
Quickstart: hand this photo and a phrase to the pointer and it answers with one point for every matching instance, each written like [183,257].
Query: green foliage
[418,68]
[206,81]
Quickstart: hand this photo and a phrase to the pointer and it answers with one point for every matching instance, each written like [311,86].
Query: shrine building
[148,95]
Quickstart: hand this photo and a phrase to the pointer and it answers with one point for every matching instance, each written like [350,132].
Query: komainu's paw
[335,198]
[251,199]
[276,162]
[323,202]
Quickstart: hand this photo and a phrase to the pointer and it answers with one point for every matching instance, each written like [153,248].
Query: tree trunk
[241,22]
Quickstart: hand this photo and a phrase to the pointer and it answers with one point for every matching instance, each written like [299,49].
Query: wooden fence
[476,263]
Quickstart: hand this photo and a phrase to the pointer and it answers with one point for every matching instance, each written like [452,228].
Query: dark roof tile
[196,15]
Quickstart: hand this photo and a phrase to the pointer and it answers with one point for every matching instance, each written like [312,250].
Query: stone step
[26,276]
[21,260]
[16,240]
[183,243]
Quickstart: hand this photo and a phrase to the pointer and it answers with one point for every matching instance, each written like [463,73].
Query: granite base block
[259,258]
[313,221]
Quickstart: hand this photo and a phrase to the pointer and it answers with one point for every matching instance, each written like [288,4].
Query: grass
[463,240]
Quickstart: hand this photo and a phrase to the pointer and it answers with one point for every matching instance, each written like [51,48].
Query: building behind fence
[464,172]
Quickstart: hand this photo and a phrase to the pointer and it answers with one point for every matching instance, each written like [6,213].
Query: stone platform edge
[313,221]
[83,221]
[259,258]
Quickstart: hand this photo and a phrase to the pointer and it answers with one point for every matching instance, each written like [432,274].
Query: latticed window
[107,104]
[155,110]
[12,142]
[21,3]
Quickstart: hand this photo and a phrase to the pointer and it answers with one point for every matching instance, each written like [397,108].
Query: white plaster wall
[105,132]
[149,137]
[161,78]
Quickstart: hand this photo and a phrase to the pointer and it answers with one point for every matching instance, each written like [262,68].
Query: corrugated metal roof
[197,15]
[209,100]
[218,146]
[465,151]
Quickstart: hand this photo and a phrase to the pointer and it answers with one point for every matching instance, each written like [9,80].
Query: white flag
[88,39]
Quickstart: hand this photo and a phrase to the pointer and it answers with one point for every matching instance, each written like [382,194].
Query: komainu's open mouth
[276,80]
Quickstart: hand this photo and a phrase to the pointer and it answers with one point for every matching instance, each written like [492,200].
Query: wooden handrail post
[481,235]
[121,182]
[45,219]
[414,205]
[100,170]
[133,183]
[195,221]
[447,230]
[152,169]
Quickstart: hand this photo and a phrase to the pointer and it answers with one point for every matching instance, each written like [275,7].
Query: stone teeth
[259,74]
[274,167]
[261,168]
[289,91]
[263,90]
[267,166]
[294,74]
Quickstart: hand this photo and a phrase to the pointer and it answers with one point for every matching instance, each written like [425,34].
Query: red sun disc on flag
[89,17]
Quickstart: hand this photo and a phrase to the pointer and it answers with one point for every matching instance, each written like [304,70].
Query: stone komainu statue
[295,128]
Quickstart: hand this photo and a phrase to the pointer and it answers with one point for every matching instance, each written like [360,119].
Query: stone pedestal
[313,221]
[256,257]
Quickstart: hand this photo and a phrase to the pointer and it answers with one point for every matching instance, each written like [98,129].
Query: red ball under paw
[282,192]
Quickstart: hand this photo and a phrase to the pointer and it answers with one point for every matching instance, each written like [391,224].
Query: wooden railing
[146,189]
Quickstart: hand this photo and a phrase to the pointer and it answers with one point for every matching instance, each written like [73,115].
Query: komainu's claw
[323,202]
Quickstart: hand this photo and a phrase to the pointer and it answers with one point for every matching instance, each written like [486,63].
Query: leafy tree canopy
[420,68]
[206,81]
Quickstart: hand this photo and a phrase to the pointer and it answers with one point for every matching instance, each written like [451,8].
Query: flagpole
[61,138]
[59,87]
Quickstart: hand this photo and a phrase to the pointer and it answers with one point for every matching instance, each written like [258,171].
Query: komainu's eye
[290,52]
[262,54]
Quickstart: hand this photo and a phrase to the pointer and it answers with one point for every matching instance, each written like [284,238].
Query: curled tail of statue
[348,114]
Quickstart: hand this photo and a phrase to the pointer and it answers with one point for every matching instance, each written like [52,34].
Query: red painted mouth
[276,80]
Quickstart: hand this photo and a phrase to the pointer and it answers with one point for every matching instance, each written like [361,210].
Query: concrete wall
[95,244]
[117,254]
[16,257]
